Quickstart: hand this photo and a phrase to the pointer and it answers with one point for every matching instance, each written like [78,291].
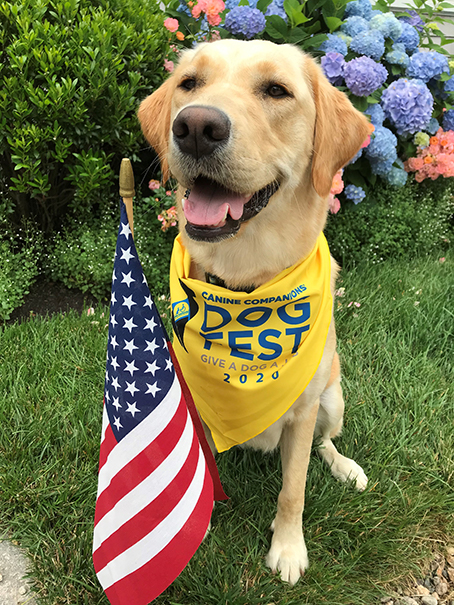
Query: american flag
[155,492]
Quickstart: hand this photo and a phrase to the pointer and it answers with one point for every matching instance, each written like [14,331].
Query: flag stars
[114,363]
[151,346]
[117,423]
[113,342]
[132,409]
[152,368]
[131,388]
[127,279]
[129,325]
[130,346]
[131,367]
[152,389]
[116,403]
[115,383]
[169,365]
[113,298]
[128,302]
[125,230]
[151,324]
[148,302]
[113,321]
[126,255]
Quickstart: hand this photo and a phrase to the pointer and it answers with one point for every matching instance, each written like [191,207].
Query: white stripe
[147,490]
[138,439]
[105,422]
[143,551]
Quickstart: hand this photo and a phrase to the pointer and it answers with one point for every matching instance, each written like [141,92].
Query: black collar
[217,281]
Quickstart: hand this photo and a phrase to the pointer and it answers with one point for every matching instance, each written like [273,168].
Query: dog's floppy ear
[340,130]
[154,118]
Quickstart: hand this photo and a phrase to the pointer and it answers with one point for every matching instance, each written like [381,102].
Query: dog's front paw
[289,557]
[346,469]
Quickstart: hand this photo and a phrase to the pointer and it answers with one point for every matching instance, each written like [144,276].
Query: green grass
[396,351]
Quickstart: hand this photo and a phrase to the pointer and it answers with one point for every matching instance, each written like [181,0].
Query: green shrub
[71,75]
[392,222]
[81,256]
[19,258]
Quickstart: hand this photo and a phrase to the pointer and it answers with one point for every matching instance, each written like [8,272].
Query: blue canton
[139,369]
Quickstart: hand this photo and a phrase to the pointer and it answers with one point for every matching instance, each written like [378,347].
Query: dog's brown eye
[276,91]
[188,83]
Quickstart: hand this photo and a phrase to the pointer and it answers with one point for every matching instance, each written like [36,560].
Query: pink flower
[168,65]
[171,24]
[338,184]
[90,311]
[366,142]
[334,204]
[153,185]
[211,8]
[442,259]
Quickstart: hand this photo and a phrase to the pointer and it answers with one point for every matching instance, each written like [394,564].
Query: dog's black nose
[199,130]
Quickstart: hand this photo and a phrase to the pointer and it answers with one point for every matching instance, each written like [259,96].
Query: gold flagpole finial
[127,191]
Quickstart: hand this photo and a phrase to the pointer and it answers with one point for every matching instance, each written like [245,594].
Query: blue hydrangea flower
[433,126]
[448,120]
[358,8]
[276,8]
[363,76]
[245,21]
[397,176]
[356,194]
[381,167]
[449,85]
[408,104]
[344,37]
[376,113]
[398,56]
[334,44]
[356,157]
[333,67]
[409,37]
[427,65]
[370,43]
[182,8]
[414,20]
[382,146]
[354,25]
[387,24]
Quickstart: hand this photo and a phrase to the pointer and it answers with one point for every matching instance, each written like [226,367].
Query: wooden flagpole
[127,190]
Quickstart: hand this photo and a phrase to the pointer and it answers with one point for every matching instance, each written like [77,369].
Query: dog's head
[243,126]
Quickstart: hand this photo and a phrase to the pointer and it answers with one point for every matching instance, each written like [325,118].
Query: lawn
[396,350]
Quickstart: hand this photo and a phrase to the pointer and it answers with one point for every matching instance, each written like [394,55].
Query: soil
[47,298]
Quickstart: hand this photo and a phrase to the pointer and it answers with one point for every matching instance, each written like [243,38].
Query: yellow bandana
[247,357]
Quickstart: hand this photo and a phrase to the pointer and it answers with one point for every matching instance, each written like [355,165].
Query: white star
[107,375]
[152,389]
[152,346]
[130,346]
[148,301]
[117,424]
[107,396]
[114,363]
[132,408]
[126,255]
[169,365]
[125,230]
[128,302]
[113,342]
[152,367]
[129,324]
[131,367]
[115,383]
[151,324]
[113,298]
[127,279]
[114,277]
[144,280]
[116,403]
[113,321]
[131,388]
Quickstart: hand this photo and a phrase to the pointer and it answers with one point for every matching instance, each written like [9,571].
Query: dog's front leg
[288,552]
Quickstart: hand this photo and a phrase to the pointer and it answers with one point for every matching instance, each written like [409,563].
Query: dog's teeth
[183,202]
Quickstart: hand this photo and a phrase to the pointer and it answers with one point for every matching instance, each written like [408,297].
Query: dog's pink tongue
[208,203]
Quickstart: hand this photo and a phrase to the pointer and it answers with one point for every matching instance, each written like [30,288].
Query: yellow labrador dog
[254,134]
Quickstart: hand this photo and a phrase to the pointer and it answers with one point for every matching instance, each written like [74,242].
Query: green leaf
[333,23]
[262,5]
[276,27]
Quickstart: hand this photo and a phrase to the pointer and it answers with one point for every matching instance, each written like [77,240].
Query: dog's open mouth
[213,212]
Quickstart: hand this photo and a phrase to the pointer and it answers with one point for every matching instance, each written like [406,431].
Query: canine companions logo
[247,357]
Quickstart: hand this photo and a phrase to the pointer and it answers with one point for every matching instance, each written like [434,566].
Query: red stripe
[147,582]
[107,445]
[143,464]
[151,516]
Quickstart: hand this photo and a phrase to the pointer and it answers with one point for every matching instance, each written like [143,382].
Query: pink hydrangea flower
[211,8]
[171,24]
[169,65]
[434,160]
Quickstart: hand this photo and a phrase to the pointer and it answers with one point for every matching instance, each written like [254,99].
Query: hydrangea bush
[388,64]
